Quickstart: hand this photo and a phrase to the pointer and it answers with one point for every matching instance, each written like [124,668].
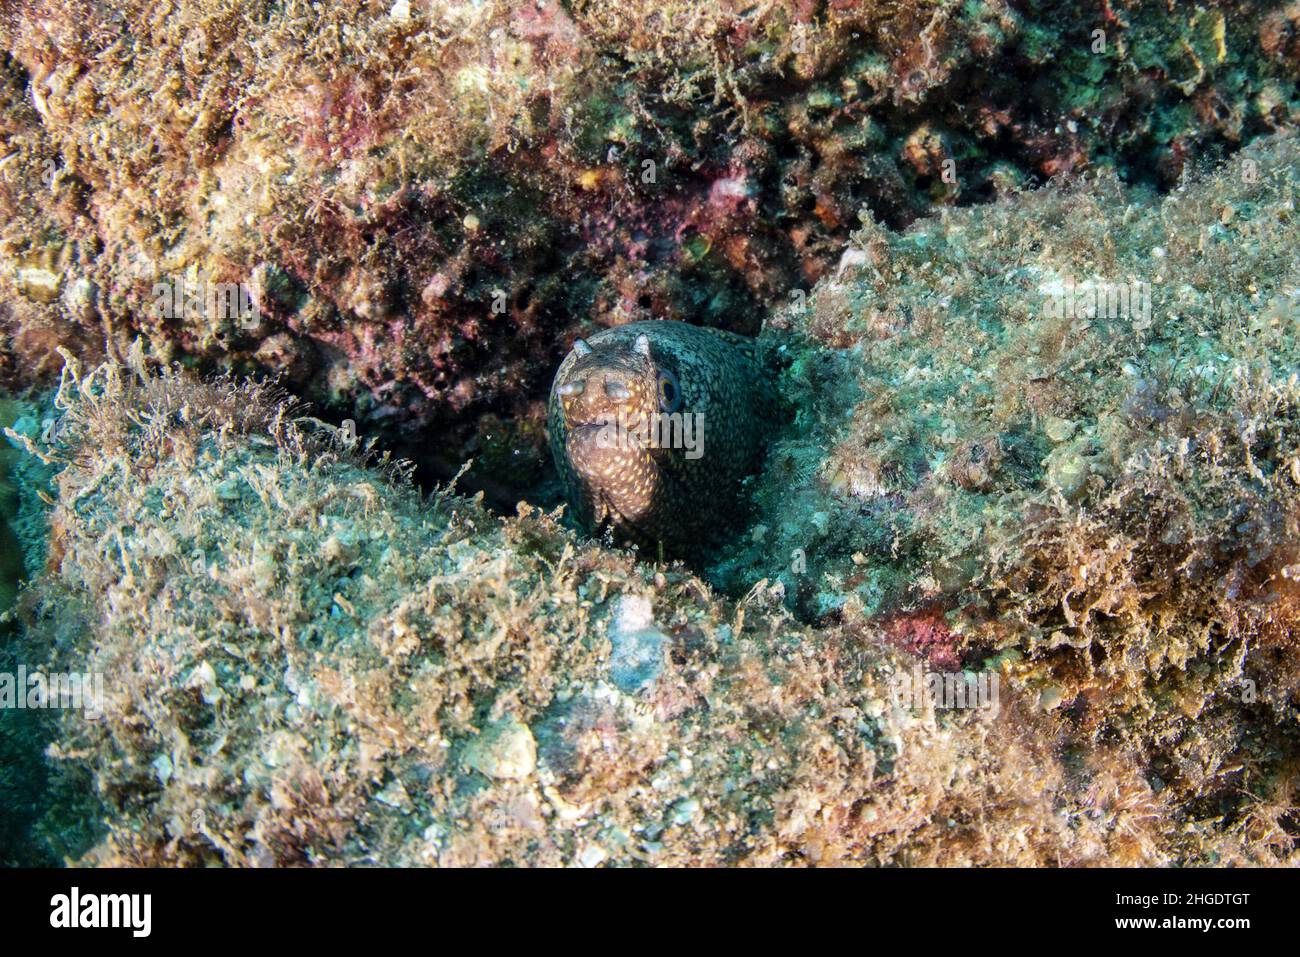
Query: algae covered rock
[1069,424]
[504,749]
[426,202]
[309,662]
[1043,443]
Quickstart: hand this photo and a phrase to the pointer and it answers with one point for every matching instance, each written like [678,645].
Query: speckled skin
[659,495]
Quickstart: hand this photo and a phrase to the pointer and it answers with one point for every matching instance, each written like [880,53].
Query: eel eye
[670,392]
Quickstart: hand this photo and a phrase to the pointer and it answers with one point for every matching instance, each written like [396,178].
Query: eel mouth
[585,438]
[588,440]
[621,473]
[604,432]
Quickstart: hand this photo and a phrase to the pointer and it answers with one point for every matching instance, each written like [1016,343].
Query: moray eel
[653,425]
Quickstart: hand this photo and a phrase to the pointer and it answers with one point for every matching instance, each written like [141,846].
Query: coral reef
[428,200]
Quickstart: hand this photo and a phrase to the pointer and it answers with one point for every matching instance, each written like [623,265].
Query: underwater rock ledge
[433,198]
[309,662]
[1059,434]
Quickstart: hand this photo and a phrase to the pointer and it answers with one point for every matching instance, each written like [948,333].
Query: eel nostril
[572,388]
[616,390]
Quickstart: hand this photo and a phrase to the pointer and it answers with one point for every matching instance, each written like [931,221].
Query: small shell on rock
[505,750]
[38,283]
[637,652]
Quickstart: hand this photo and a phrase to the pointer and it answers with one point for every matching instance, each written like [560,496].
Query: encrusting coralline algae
[314,663]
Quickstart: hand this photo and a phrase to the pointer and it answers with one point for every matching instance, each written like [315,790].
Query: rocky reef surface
[1062,433]
[311,662]
[430,200]
[1042,440]
[988,477]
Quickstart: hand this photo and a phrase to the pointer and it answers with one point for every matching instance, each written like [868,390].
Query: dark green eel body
[700,392]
